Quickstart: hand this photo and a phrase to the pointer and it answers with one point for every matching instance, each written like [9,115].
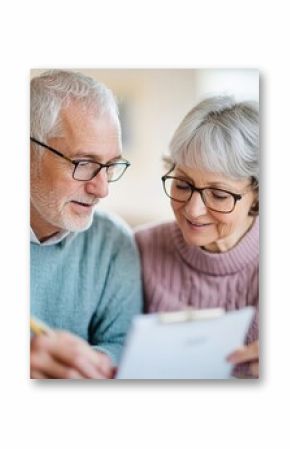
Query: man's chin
[78,224]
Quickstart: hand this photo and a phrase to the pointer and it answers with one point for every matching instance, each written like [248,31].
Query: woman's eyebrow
[220,185]
[181,171]
[212,184]
[184,176]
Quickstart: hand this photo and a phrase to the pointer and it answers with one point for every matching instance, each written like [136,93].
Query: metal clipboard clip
[189,314]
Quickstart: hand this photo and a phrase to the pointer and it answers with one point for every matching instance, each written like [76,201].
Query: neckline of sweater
[245,252]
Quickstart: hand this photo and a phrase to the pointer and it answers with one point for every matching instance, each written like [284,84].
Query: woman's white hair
[54,90]
[221,136]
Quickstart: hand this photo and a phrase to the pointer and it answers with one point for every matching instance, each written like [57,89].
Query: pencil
[37,327]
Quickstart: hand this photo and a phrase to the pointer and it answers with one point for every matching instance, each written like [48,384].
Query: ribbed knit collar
[51,241]
[228,262]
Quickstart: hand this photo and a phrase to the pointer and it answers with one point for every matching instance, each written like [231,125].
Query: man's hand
[248,353]
[61,355]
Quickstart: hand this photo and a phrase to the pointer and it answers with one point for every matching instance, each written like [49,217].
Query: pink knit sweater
[176,275]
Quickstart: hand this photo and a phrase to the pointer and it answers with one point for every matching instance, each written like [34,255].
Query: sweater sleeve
[120,302]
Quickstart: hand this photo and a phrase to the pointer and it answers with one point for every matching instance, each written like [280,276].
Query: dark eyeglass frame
[76,163]
[236,196]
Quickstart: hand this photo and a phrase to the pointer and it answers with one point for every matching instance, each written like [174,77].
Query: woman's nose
[195,206]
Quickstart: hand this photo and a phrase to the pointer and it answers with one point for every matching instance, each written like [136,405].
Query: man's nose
[98,186]
[195,206]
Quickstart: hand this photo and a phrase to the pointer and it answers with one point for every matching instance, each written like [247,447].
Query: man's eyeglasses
[86,170]
[217,200]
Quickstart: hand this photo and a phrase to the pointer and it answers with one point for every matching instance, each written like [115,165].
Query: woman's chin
[195,240]
[197,237]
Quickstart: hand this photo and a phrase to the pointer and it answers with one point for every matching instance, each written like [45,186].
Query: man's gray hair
[54,90]
[221,136]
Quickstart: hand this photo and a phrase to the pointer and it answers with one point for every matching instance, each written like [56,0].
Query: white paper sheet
[195,349]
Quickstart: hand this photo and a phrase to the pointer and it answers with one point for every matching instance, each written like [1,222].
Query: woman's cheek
[224,229]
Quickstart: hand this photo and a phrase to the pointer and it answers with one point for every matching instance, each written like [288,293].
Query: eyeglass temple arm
[53,150]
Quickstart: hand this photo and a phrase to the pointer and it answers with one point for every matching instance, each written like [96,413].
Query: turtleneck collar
[219,263]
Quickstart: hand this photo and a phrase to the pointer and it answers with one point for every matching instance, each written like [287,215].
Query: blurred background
[152,103]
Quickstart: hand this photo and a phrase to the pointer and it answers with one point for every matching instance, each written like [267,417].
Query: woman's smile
[196,225]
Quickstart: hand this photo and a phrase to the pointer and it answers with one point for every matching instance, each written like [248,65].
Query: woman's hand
[248,354]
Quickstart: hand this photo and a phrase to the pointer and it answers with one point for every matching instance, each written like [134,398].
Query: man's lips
[80,203]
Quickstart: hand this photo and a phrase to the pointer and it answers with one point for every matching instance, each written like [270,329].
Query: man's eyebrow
[93,157]
[83,156]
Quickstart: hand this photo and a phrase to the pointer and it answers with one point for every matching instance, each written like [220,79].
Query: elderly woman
[209,256]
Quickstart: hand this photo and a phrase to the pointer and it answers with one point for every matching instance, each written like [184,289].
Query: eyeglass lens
[215,199]
[87,170]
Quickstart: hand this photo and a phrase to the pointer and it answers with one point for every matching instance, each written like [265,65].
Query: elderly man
[85,276]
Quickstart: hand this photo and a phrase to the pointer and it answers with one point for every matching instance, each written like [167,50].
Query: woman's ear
[254,209]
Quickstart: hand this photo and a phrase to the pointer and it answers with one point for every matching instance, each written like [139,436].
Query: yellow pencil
[37,327]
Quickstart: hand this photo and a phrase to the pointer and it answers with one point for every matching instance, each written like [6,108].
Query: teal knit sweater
[89,284]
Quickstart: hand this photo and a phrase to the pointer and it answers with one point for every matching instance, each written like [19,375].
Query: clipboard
[190,344]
